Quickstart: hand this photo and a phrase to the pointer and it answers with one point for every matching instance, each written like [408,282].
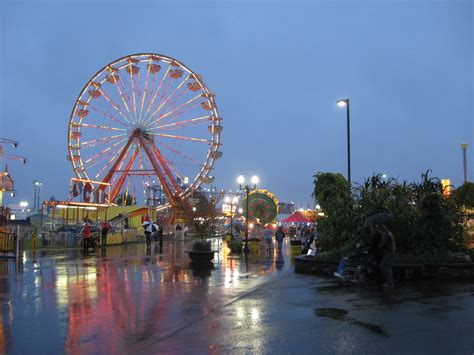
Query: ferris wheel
[143,119]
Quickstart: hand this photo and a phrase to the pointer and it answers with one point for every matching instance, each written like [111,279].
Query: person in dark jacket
[105,228]
[159,235]
[279,236]
[387,249]
[376,254]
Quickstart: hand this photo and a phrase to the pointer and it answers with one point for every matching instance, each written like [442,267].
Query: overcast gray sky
[276,67]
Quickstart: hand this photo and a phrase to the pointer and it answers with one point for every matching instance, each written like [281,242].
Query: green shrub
[426,222]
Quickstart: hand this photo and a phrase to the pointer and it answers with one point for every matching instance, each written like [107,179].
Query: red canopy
[297,217]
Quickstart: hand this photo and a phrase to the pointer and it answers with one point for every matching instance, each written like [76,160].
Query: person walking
[376,254]
[86,231]
[387,249]
[148,237]
[179,232]
[159,234]
[105,228]
[279,236]
[267,236]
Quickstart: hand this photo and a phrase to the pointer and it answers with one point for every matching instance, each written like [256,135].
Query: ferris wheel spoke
[193,139]
[173,104]
[109,162]
[190,121]
[179,113]
[145,89]
[194,161]
[108,128]
[117,81]
[112,103]
[132,82]
[173,169]
[108,115]
[162,96]
[94,142]
[165,101]
[98,155]
[177,108]
[150,104]
[100,160]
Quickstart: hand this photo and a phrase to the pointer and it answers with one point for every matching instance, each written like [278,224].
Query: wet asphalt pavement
[129,301]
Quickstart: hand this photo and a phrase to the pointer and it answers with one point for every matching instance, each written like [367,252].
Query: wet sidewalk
[127,300]
[121,299]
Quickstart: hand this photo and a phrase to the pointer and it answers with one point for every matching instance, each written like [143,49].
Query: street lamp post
[231,202]
[240,181]
[342,103]
[464,159]
[36,201]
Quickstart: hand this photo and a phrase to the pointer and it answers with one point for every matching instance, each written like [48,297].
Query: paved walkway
[131,301]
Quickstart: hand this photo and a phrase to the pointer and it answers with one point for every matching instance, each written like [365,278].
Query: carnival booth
[297,222]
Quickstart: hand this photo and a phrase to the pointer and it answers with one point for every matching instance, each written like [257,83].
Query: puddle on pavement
[334,313]
[341,314]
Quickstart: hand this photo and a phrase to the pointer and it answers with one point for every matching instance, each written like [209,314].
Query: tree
[333,194]
[329,187]
[205,225]
[464,195]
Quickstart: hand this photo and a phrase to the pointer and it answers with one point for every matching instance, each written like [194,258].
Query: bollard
[33,241]
[17,251]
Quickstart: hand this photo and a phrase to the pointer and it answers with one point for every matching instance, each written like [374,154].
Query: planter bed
[404,271]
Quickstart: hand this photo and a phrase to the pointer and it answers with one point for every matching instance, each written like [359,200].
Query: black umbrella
[379,218]
[150,227]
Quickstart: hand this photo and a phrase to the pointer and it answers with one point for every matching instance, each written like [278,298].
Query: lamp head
[342,102]
[255,180]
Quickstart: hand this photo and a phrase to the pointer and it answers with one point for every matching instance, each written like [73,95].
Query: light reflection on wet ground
[121,298]
[129,301]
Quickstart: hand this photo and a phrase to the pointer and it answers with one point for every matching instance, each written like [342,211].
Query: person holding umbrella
[149,228]
[385,246]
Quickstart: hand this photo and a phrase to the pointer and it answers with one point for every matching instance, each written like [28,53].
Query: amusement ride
[144,119]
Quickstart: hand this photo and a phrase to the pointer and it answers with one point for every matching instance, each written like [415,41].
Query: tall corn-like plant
[426,222]
[439,221]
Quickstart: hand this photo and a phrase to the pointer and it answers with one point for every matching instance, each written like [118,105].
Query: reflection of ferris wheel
[141,118]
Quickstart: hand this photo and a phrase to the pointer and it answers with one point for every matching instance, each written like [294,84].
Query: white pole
[17,254]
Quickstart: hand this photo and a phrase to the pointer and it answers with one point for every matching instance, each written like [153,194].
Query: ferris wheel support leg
[169,195]
[117,162]
[166,168]
[122,178]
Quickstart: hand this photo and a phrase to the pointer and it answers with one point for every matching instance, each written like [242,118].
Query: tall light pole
[240,181]
[37,184]
[342,103]
[464,159]
[232,202]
